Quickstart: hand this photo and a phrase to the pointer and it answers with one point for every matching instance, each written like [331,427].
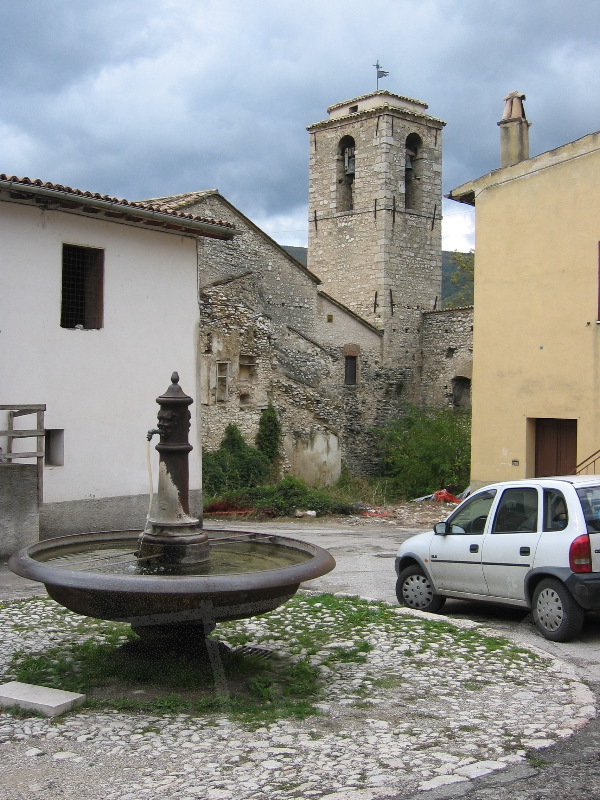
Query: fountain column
[173,540]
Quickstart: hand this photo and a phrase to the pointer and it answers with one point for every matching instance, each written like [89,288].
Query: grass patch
[255,689]
[535,761]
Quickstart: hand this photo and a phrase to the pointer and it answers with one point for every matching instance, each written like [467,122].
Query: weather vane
[381,73]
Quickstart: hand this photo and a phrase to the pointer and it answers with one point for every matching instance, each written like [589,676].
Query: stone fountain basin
[158,600]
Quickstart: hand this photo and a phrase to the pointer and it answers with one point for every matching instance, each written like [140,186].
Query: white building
[98,306]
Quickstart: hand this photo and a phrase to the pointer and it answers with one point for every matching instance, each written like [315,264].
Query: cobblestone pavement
[498,742]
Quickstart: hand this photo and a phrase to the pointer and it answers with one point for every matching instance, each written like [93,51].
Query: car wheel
[556,614]
[415,590]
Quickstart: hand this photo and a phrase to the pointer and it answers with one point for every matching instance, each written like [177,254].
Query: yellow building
[536,348]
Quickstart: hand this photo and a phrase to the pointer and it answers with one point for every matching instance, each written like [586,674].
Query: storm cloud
[147,98]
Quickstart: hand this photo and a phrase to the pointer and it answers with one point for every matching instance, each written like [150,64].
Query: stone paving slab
[28,697]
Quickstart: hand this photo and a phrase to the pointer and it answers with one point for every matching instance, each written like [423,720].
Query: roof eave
[463,194]
[75,202]
[383,109]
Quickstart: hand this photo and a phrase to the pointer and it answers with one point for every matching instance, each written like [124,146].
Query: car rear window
[589,497]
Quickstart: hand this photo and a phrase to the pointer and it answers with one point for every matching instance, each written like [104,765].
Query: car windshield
[590,502]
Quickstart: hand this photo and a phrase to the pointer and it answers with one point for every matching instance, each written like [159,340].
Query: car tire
[415,590]
[556,614]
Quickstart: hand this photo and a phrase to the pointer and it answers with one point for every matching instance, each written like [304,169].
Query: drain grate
[252,650]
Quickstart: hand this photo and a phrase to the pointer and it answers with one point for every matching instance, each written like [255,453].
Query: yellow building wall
[536,331]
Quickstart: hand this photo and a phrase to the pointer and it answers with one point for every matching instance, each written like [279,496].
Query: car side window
[517,511]
[589,497]
[473,513]
[556,517]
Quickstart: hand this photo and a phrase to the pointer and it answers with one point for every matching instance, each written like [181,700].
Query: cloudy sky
[146,98]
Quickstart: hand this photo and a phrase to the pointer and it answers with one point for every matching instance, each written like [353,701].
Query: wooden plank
[19,410]
[23,434]
[11,456]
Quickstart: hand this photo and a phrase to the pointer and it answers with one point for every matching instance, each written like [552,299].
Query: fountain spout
[173,540]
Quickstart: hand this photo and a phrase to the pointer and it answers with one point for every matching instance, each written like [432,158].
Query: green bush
[234,465]
[282,499]
[363,489]
[426,450]
[268,437]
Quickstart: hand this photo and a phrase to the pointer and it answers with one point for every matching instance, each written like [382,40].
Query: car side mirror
[440,529]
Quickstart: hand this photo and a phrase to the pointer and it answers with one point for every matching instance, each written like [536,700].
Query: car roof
[550,481]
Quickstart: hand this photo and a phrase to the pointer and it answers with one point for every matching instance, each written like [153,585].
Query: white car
[533,543]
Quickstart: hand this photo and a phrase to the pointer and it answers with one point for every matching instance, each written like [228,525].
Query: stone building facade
[339,347]
[269,334]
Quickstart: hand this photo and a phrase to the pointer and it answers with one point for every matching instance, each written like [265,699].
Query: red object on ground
[442,496]
[375,512]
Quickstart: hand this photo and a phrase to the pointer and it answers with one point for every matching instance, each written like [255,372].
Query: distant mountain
[455,294]
[449,289]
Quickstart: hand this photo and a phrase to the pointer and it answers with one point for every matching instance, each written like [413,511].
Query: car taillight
[580,554]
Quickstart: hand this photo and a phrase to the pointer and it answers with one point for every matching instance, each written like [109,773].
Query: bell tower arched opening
[346,171]
[413,172]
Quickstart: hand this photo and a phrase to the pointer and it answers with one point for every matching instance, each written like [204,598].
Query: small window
[222,381]
[82,288]
[517,511]
[461,392]
[54,447]
[350,370]
[329,317]
[247,367]
[555,510]
[353,109]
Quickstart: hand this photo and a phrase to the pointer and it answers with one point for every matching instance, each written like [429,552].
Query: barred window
[82,287]
[350,370]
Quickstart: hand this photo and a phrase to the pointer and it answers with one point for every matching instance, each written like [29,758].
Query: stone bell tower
[375,203]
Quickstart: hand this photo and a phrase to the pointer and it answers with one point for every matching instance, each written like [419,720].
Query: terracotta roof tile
[121,203]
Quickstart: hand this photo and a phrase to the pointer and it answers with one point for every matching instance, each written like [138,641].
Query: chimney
[514,131]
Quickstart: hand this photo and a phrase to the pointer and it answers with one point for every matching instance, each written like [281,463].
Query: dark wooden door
[555,447]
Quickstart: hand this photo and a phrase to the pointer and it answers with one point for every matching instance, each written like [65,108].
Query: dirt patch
[421,514]
[412,514]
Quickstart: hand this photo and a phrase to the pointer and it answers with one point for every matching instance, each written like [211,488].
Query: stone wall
[324,420]
[447,357]
[285,289]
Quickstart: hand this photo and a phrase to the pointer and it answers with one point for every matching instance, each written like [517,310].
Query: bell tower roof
[376,101]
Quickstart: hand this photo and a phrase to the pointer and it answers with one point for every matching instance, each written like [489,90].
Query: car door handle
[525,551]
[474,548]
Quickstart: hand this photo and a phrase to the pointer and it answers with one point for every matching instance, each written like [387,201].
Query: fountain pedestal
[173,540]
